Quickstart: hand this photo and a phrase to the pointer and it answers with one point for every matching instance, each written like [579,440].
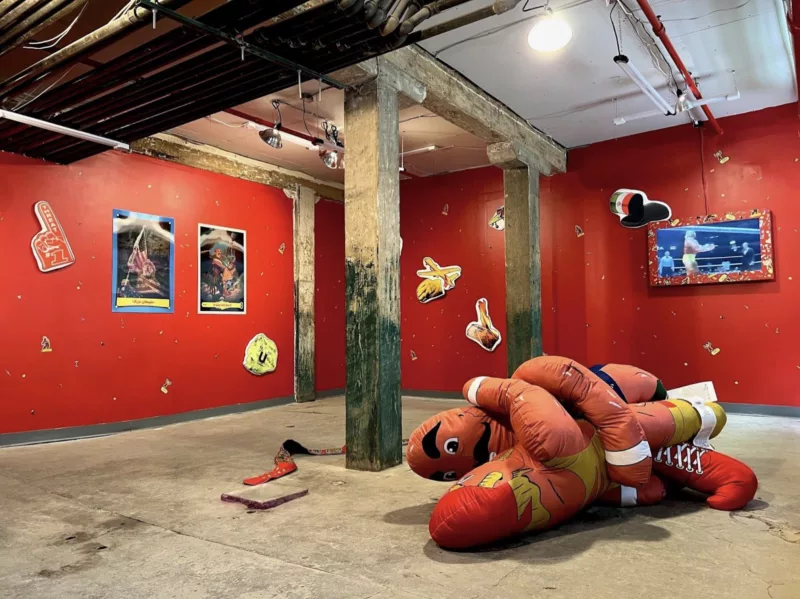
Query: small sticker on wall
[261,355]
[578,231]
[46,347]
[482,331]
[164,387]
[446,209]
[50,246]
[413,355]
[437,280]
[282,248]
[498,221]
[711,349]
[722,159]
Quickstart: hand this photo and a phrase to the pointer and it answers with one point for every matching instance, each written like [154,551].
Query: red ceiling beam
[661,33]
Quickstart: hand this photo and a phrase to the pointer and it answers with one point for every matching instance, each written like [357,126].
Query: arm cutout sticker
[482,331]
[261,355]
[50,246]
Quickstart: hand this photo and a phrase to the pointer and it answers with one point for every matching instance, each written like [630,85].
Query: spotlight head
[271,137]
[330,158]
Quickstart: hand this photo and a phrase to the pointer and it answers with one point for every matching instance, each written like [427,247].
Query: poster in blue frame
[143,247]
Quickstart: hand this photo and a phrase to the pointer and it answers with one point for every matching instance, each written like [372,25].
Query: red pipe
[266,123]
[661,33]
[794,10]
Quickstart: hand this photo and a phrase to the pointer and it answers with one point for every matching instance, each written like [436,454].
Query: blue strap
[597,369]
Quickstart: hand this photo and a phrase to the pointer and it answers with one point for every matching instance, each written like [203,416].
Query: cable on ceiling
[53,41]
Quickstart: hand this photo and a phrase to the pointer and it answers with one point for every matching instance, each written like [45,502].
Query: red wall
[597,305]
[597,302]
[123,359]
[435,331]
[329,300]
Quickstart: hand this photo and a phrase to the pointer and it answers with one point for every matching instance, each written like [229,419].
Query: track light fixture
[272,137]
[330,158]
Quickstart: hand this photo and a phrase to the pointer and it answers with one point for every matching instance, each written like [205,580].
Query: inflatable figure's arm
[627,451]
[620,496]
[541,424]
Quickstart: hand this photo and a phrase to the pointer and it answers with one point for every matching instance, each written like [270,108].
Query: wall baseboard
[73,433]
[432,394]
[760,410]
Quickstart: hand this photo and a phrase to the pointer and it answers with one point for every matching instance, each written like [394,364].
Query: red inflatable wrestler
[550,465]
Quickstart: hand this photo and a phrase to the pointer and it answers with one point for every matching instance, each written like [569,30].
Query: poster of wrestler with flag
[143,247]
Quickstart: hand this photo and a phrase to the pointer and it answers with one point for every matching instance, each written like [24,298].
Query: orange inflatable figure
[550,464]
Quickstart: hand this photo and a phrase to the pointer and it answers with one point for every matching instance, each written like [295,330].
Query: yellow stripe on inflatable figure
[261,355]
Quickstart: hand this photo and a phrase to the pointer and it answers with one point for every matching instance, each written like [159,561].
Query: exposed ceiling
[455,149]
[572,95]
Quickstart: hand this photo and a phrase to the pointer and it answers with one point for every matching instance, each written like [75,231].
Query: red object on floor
[282,469]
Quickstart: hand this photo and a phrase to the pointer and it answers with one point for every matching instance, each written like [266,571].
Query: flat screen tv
[728,248]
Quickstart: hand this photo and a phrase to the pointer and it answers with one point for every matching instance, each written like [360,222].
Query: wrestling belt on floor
[533,450]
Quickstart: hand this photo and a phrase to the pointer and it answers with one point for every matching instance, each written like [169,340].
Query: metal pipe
[141,65]
[243,44]
[116,70]
[221,84]
[8,5]
[497,8]
[380,14]
[661,33]
[393,22]
[98,39]
[101,108]
[35,22]
[23,8]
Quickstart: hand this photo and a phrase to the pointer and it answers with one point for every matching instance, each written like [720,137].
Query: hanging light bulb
[330,158]
[549,34]
[272,137]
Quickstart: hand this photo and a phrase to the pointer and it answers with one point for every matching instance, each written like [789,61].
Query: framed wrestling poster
[727,248]
[221,273]
[143,253]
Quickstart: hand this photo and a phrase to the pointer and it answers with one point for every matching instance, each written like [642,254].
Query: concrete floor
[138,515]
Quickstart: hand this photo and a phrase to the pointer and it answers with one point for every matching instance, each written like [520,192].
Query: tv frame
[767,272]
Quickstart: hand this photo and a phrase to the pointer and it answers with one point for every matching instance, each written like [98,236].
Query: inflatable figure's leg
[730,483]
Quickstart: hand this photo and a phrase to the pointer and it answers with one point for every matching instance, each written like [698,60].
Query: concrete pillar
[523,261]
[372,253]
[304,379]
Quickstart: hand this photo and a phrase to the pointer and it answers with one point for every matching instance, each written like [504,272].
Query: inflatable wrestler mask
[447,446]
